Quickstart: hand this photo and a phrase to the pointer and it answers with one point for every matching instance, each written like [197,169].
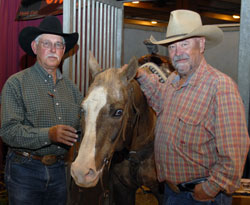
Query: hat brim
[28,34]
[213,35]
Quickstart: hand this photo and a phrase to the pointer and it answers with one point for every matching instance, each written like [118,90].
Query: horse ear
[129,71]
[94,67]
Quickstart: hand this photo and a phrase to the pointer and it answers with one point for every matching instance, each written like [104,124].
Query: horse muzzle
[85,177]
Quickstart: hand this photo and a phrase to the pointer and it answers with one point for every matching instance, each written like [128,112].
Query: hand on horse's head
[63,134]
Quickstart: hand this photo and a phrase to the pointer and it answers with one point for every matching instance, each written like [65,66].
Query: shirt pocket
[191,126]
[195,109]
[191,119]
[194,142]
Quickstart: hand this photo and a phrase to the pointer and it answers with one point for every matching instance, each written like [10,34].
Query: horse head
[106,119]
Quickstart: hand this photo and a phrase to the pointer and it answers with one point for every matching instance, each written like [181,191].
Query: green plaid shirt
[31,104]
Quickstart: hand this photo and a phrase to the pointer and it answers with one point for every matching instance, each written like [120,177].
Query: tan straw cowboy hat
[185,24]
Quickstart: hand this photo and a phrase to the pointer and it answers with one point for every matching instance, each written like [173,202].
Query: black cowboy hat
[50,25]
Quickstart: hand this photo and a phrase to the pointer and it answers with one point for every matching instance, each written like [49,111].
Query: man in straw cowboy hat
[40,116]
[201,134]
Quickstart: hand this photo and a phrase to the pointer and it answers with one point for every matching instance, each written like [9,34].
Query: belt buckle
[49,160]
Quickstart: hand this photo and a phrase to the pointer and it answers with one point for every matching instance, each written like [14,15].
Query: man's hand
[200,194]
[63,134]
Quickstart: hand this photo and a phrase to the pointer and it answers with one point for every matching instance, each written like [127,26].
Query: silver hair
[38,38]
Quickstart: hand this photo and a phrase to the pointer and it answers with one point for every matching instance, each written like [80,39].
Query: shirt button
[57,103]
[54,90]
[45,142]
[49,76]
[182,142]
[45,81]
[59,118]
[59,147]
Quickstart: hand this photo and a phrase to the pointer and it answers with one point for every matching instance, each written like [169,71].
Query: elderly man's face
[186,55]
[49,50]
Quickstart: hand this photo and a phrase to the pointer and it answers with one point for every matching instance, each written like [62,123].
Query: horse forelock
[110,80]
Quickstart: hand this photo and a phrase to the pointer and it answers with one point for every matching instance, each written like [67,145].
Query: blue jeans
[29,182]
[186,198]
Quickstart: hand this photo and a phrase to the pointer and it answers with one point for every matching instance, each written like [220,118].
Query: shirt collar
[44,74]
[194,78]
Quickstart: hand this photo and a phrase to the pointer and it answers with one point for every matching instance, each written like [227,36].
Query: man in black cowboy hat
[40,118]
[201,139]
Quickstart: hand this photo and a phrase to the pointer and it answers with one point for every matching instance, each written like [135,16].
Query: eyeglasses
[49,44]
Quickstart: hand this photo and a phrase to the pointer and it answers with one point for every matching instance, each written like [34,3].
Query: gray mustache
[52,55]
[184,56]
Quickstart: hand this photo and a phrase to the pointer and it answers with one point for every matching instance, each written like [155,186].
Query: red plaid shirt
[201,128]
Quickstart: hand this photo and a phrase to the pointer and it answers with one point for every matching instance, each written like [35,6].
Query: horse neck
[143,118]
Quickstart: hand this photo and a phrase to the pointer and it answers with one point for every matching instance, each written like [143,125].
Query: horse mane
[141,119]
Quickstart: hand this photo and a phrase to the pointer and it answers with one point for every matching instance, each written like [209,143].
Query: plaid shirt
[201,128]
[31,104]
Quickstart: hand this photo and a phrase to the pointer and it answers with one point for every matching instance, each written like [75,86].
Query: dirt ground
[143,198]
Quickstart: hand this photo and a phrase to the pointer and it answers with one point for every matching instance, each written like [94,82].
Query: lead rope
[106,193]
[107,163]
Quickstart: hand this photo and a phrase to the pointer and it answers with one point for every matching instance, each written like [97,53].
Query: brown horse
[115,117]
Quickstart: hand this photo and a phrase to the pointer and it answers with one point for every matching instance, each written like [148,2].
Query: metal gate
[99,24]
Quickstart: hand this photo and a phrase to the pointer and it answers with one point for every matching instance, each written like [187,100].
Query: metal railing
[99,24]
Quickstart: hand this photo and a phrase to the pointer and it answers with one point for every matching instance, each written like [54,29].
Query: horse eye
[118,113]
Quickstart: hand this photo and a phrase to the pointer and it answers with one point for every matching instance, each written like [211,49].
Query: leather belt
[46,159]
[186,186]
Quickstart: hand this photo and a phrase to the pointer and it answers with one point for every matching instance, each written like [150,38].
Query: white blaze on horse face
[96,100]
[83,169]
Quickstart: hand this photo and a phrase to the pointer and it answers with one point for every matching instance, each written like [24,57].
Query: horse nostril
[91,172]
